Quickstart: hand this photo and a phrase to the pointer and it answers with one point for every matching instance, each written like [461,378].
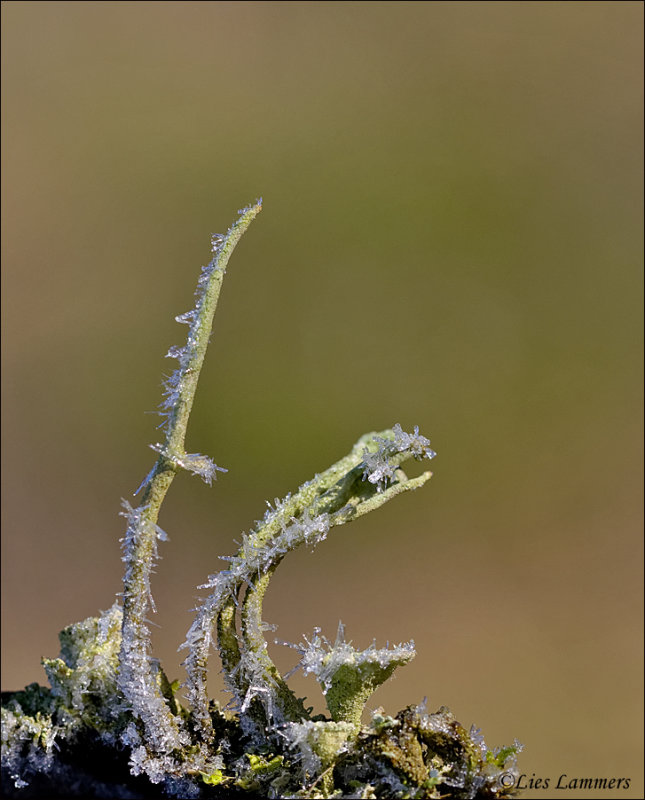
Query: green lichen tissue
[112,724]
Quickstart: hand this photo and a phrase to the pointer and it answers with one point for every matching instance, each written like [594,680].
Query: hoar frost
[109,692]
[323,659]
[380,466]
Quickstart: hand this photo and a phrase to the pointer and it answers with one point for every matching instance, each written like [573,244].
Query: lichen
[112,724]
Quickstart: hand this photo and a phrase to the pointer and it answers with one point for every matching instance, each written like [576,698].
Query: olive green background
[450,237]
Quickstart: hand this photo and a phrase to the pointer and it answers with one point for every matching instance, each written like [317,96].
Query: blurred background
[450,238]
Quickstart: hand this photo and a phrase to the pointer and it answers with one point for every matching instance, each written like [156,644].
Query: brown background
[450,238]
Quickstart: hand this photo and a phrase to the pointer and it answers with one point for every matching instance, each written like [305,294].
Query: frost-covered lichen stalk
[111,725]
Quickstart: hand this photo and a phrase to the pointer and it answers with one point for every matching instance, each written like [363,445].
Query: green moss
[214,779]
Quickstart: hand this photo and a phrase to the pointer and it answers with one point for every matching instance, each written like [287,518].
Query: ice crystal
[251,672]
[87,668]
[28,744]
[131,736]
[138,675]
[322,659]
[254,558]
[138,526]
[175,385]
[217,240]
[414,442]
[177,352]
[140,686]
[187,318]
[196,463]
[477,737]
[378,469]
[380,466]
[158,769]
[348,676]
[317,744]
[82,698]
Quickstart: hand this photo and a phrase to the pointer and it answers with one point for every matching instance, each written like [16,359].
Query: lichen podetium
[136,677]
[111,723]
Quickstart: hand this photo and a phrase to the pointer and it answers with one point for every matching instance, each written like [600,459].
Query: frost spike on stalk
[138,679]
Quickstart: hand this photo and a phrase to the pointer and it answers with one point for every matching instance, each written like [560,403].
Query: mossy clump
[78,740]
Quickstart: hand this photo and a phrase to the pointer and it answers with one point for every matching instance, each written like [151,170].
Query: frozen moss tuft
[111,723]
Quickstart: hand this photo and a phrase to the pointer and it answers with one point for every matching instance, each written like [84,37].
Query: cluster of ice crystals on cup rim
[323,659]
[413,442]
[380,466]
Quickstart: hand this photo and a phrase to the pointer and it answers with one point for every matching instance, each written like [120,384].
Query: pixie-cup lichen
[113,725]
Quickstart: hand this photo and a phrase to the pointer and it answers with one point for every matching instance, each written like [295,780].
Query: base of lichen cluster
[78,739]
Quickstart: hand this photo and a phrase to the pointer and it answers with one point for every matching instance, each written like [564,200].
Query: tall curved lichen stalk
[139,678]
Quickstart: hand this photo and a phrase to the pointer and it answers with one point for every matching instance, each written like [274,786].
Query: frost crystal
[138,677]
[179,382]
[477,737]
[414,443]
[87,668]
[255,558]
[28,744]
[187,318]
[323,659]
[317,744]
[176,352]
[137,525]
[378,469]
[155,768]
[217,240]
[380,466]
[196,463]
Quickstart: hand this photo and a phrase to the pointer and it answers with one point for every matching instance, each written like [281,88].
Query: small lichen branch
[111,724]
[347,490]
